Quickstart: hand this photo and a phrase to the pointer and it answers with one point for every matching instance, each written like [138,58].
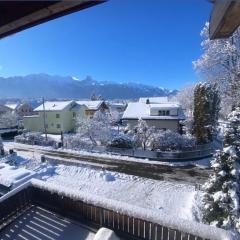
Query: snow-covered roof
[4,108]
[137,110]
[117,104]
[154,99]
[53,106]
[91,105]
[12,106]
[167,105]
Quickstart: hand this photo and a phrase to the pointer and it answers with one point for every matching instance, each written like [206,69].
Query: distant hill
[39,85]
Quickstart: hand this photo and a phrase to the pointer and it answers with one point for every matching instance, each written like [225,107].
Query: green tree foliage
[206,110]
[221,197]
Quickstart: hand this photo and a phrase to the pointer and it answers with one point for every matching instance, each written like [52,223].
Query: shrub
[168,141]
[121,141]
[34,138]
[77,142]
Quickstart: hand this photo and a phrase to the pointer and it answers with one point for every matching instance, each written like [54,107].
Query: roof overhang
[225,18]
[19,15]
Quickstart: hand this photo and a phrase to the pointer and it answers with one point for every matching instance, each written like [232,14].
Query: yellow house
[60,117]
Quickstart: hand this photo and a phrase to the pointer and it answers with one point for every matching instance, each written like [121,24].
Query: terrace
[37,210]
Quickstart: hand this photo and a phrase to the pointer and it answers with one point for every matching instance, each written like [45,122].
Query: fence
[158,155]
[125,225]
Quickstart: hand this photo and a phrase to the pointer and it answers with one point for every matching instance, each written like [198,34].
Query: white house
[157,112]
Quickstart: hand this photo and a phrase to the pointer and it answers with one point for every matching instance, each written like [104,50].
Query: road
[186,174]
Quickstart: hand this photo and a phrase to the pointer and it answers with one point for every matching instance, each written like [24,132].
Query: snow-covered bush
[121,141]
[187,125]
[77,142]
[114,117]
[168,141]
[34,138]
[97,129]
[142,134]
[8,120]
[221,197]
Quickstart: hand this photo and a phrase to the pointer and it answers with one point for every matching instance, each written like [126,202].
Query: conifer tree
[206,109]
[221,197]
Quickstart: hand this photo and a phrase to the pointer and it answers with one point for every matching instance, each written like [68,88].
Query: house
[59,117]
[154,100]
[4,109]
[116,106]
[93,106]
[20,109]
[157,112]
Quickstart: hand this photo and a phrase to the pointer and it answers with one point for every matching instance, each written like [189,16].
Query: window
[74,114]
[57,115]
[163,112]
[52,124]
[58,125]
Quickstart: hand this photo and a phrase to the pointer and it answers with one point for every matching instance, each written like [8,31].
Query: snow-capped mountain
[38,85]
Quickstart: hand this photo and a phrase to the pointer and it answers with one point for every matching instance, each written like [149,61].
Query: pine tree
[221,197]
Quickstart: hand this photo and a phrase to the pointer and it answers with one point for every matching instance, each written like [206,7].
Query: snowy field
[166,197]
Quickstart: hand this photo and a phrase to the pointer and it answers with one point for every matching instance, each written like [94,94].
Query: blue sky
[148,41]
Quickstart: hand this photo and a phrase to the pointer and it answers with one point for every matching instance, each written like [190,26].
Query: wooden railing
[125,225]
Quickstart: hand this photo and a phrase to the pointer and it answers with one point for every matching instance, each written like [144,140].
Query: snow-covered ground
[202,163]
[166,197]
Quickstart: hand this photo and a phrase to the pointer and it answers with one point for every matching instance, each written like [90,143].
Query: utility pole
[44,120]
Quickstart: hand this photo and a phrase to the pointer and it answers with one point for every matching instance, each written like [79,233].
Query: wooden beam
[225,18]
[16,16]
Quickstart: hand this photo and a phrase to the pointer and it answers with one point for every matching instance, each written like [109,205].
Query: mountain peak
[37,85]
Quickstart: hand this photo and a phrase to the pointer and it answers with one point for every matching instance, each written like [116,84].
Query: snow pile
[105,234]
[10,175]
[107,176]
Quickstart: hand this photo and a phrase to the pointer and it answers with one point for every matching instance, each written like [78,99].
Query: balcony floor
[40,224]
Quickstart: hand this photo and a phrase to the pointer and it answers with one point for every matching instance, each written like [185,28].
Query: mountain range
[49,86]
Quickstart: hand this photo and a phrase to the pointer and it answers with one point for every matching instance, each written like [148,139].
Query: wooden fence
[127,227]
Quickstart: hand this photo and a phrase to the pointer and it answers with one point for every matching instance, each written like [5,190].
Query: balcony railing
[129,222]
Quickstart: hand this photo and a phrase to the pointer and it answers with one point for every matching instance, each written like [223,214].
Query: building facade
[158,113]
[58,117]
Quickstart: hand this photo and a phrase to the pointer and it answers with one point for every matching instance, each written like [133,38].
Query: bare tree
[220,64]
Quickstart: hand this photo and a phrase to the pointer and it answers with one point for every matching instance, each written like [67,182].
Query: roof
[91,105]
[20,15]
[167,105]
[141,110]
[53,106]
[12,106]
[4,108]
[154,99]
[225,18]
